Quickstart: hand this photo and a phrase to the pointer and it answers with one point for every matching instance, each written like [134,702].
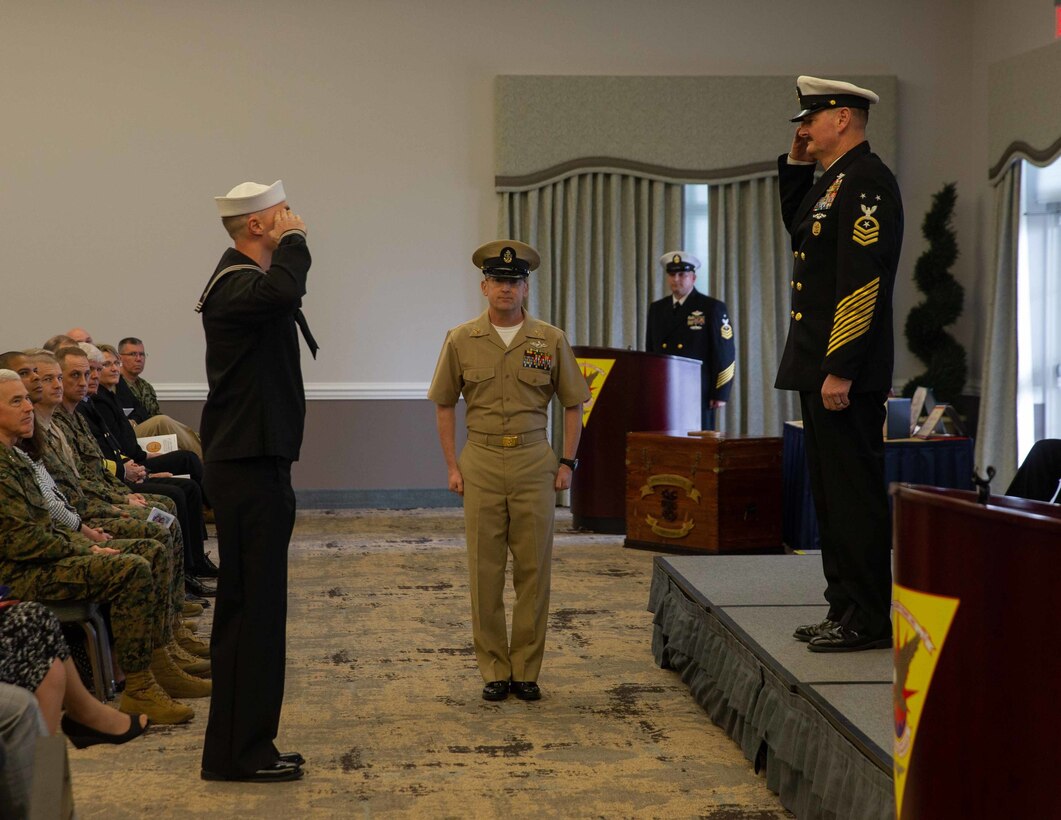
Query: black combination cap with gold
[817,94]
[506,259]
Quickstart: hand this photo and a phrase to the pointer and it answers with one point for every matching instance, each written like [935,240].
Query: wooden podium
[630,390]
[976,633]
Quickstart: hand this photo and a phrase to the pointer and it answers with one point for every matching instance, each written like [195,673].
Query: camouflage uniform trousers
[135,529]
[132,582]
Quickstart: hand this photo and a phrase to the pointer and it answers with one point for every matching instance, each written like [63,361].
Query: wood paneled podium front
[630,390]
[976,633]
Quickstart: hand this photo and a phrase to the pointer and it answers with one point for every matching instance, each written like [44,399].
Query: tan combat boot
[192,609]
[200,667]
[176,682]
[144,696]
[189,643]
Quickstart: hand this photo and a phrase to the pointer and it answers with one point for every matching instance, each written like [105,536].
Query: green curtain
[600,236]
[996,443]
[749,264]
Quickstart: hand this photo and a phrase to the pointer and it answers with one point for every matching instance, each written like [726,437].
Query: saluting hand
[798,152]
[283,222]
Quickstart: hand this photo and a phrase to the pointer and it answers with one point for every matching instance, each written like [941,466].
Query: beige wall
[123,119]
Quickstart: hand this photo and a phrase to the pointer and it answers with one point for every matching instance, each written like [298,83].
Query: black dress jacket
[700,328]
[847,232]
[256,405]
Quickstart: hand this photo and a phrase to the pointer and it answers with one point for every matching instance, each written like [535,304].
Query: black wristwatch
[570,462]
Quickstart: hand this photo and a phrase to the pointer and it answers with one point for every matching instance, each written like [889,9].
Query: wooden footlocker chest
[700,493]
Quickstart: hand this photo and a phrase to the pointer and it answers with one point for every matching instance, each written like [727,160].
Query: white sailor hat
[816,94]
[249,198]
[506,259]
[678,261]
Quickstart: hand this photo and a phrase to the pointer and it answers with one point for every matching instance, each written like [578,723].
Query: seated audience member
[108,475]
[21,724]
[92,499]
[1039,477]
[134,391]
[19,362]
[111,382]
[34,655]
[168,573]
[41,562]
[118,443]
[79,335]
[57,341]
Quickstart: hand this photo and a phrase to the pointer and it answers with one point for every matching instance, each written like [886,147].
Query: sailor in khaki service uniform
[508,365]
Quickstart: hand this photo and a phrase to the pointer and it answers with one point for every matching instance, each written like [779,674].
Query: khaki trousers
[187,438]
[509,505]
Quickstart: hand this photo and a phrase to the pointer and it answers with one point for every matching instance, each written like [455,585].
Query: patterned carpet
[383,698]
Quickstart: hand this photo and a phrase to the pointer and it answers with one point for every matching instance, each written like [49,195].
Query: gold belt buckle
[510,441]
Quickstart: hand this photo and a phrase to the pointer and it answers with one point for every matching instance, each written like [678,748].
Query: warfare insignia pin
[867,228]
[536,343]
[696,320]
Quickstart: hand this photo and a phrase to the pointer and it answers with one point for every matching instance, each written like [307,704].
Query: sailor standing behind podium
[508,365]
[252,431]
[847,232]
[688,323]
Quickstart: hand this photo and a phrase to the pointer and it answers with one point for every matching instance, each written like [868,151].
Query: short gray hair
[93,352]
[9,376]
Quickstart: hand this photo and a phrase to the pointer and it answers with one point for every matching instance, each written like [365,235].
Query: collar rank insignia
[726,331]
[696,320]
[867,228]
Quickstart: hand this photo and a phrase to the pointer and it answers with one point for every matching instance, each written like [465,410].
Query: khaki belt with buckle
[506,441]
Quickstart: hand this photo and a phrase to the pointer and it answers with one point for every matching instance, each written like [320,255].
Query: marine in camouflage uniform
[40,562]
[118,520]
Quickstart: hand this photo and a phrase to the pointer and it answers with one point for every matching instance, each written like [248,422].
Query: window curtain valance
[1023,117]
[672,129]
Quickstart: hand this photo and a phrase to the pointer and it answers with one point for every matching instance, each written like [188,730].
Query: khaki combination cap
[506,259]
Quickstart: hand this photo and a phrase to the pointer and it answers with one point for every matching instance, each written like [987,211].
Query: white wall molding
[318,391]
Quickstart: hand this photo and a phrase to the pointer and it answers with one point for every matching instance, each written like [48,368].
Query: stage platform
[819,725]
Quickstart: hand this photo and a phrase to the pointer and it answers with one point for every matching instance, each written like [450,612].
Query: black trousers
[188,499]
[254,507]
[845,456]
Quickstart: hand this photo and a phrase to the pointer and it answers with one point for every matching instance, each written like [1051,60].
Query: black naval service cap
[506,259]
[817,94]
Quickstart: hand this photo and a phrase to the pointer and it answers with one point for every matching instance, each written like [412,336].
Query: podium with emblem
[975,630]
[703,493]
[629,390]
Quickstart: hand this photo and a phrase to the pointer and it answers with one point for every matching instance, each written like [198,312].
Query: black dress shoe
[292,757]
[205,568]
[842,639]
[278,772]
[808,631]
[83,736]
[195,599]
[495,690]
[197,587]
[526,690]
